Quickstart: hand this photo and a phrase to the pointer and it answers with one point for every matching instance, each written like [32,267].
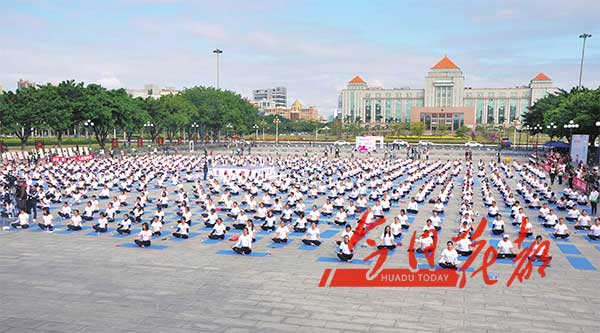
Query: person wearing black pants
[593,197]
[143,240]
[344,252]
[312,236]
[218,231]
[244,244]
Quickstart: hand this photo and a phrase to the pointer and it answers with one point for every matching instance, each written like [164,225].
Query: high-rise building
[270,98]
[444,101]
[25,84]
[152,90]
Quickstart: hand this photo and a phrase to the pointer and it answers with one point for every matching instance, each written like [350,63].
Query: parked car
[341,143]
[400,142]
[425,143]
[473,144]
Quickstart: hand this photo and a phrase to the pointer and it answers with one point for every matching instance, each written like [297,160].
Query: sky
[311,47]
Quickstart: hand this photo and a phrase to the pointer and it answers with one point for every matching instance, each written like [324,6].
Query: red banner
[139,142]
[580,184]
[79,158]
[115,143]
[160,140]
[39,144]
[178,141]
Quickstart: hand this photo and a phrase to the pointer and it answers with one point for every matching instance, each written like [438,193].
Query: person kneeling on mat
[449,257]
[243,245]
[218,231]
[312,236]
[344,252]
[505,248]
[143,239]
[281,234]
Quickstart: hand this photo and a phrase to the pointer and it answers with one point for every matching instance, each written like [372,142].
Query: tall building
[296,112]
[270,98]
[152,90]
[444,101]
[25,84]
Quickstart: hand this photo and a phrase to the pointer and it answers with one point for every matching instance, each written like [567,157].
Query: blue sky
[311,47]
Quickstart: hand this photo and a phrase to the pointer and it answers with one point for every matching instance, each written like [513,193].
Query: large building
[21,84]
[270,98]
[152,90]
[444,101]
[296,112]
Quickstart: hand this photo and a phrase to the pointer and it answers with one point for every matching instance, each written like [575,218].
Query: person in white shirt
[519,217]
[340,217]
[594,233]
[47,223]
[572,214]
[584,221]
[464,247]
[65,211]
[218,230]
[314,215]
[102,225]
[593,197]
[387,239]
[88,212]
[269,223]
[425,242]
[449,258]
[439,206]
[22,220]
[240,221]
[561,230]
[347,232]
[551,219]
[156,226]
[403,219]
[538,251]
[300,225]
[413,206]
[183,229]
[125,225]
[143,239]
[312,236]
[75,223]
[281,234]
[527,228]
[243,245]
[344,252]
[493,210]
[396,227]
[498,225]
[436,221]
[505,248]
[544,211]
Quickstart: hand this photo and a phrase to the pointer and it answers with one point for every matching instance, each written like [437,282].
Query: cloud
[110,82]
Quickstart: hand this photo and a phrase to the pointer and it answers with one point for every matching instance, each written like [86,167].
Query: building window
[428,121]
[479,114]
[352,106]
[501,115]
[407,112]
[388,111]
[398,111]
[524,106]
[468,103]
[490,111]
[378,111]
[443,96]
[367,118]
[512,111]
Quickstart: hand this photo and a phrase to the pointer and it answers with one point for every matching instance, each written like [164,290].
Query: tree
[175,113]
[462,131]
[417,128]
[20,113]
[60,105]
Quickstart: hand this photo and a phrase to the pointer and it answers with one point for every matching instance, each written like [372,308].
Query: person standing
[570,176]
[593,197]
[205,170]
[32,199]
[552,173]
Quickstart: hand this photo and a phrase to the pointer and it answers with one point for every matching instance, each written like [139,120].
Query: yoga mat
[96,233]
[36,229]
[598,247]
[212,241]
[66,231]
[568,249]
[437,267]
[252,254]
[329,233]
[581,263]
[151,247]
[507,261]
[494,242]
[494,235]
[190,235]
[264,232]
[280,245]
[591,240]
[420,255]
[305,247]
[337,260]
[562,240]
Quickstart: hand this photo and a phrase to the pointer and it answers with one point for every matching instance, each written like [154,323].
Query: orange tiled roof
[541,77]
[445,63]
[357,79]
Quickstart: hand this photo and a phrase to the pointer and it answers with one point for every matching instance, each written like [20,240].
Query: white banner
[368,143]
[579,147]
[222,171]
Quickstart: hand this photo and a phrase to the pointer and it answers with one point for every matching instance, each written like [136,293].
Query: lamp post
[571,125]
[538,129]
[148,125]
[256,131]
[218,52]
[585,36]
[89,124]
[527,128]
[196,127]
[276,121]
[320,129]
[551,127]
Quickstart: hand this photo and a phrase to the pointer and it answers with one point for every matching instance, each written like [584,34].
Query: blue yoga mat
[420,255]
[151,247]
[562,240]
[96,233]
[264,232]
[581,263]
[280,245]
[508,261]
[212,241]
[568,249]
[305,247]
[190,235]
[66,231]
[494,235]
[598,247]
[494,242]
[437,267]
[591,240]
[329,233]
[252,254]
[337,260]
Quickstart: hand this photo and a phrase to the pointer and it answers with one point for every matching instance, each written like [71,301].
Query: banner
[368,143]
[139,142]
[39,144]
[580,184]
[78,158]
[115,143]
[579,147]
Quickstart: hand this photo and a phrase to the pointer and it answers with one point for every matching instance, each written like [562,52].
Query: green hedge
[15,142]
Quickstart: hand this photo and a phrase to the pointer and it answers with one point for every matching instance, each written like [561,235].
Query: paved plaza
[92,283]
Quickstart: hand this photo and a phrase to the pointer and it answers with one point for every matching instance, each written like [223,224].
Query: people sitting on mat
[243,245]
[551,219]
[526,228]
[75,223]
[439,206]
[396,227]
[218,230]
[387,239]
[425,242]
[340,217]
[428,226]
[270,221]
[327,209]
[281,233]
[300,225]
[464,247]
[88,212]
[143,239]
[561,204]
[413,206]
[314,215]
[347,232]
[572,214]
[519,217]
[211,219]
[344,252]
[505,248]
[156,226]
[47,223]
[65,211]
[261,212]
[436,221]
[594,233]
[183,229]
[584,221]
[312,236]
[561,230]
[287,213]
[102,225]
[493,210]
[241,221]
[449,258]
[498,225]
[538,250]
[403,219]
[544,211]
[124,227]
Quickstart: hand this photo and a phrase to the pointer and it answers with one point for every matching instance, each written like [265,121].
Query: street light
[585,36]
[571,125]
[196,126]
[88,124]
[320,129]
[551,127]
[276,121]
[538,129]
[148,125]
[256,130]
[218,53]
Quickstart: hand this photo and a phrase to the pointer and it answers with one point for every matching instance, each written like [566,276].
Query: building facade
[444,101]
[21,84]
[296,112]
[152,90]
[270,98]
